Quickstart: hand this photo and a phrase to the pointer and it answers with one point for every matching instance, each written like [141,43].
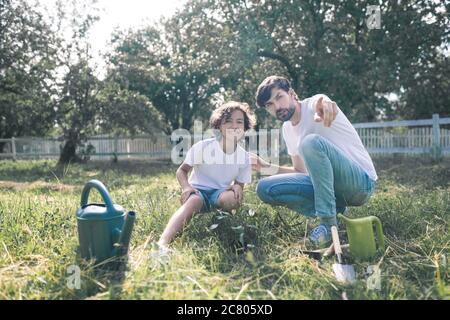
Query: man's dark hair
[265,88]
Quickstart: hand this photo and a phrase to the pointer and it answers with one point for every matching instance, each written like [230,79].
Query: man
[331,168]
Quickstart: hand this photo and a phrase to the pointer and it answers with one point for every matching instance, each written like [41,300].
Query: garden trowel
[344,273]
[318,254]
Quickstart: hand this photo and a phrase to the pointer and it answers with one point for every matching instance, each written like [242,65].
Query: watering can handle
[379,231]
[100,188]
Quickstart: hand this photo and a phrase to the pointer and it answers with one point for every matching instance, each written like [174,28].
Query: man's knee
[312,142]
[262,190]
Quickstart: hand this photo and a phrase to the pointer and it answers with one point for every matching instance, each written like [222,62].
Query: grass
[252,254]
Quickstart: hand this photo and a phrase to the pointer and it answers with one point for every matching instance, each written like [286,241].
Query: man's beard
[286,114]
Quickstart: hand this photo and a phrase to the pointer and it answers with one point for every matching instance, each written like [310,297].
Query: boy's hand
[238,192]
[185,194]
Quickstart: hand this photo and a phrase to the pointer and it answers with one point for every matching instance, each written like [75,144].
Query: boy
[220,169]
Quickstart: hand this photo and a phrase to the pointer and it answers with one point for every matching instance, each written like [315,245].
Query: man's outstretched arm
[326,111]
[260,165]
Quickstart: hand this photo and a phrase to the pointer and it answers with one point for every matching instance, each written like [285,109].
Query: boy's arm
[182,177]
[238,191]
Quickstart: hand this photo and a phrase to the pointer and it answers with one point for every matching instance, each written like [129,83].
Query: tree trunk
[68,153]
[186,117]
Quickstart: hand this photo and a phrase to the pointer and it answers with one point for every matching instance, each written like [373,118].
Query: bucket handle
[101,189]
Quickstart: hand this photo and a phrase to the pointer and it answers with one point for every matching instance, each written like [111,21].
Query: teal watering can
[104,230]
[361,236]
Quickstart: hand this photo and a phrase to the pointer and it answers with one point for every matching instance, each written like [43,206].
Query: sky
[123,14]
[128,14]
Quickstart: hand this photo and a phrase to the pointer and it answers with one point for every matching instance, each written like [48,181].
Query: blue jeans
[209,198]
[334,182]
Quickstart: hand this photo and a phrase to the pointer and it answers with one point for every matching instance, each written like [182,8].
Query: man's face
[281,104]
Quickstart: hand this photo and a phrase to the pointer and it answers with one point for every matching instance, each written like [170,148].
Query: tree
[326,46]
[126,112]
[172,66]
[77,108]
[87,105]
[27,62]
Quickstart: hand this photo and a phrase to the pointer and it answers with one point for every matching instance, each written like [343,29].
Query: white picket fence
[427,136]
[144,147]
[418,140]
[424,137]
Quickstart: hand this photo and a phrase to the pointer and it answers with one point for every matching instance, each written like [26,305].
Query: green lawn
[253,254]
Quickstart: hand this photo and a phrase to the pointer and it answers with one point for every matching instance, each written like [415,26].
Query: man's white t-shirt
[341,133]
[215,169]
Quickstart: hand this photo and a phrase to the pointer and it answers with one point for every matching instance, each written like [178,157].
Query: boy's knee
[195,201]
[232,205]
[227,203]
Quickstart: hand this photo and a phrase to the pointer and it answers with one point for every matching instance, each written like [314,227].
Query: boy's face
[232,127]
[281,104]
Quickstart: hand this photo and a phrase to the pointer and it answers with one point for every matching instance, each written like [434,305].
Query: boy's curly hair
[224,111]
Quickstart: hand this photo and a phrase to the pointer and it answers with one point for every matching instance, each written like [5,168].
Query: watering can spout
[125,234]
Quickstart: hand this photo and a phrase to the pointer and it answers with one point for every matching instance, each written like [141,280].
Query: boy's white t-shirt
[215,169]
[341,133]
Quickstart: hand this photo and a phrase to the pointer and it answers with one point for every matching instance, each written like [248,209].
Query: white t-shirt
[215,169]
[341,133]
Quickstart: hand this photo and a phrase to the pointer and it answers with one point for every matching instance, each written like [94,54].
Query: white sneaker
[159,252]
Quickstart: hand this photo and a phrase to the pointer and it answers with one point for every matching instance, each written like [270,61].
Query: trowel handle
[336,243]
[100,188]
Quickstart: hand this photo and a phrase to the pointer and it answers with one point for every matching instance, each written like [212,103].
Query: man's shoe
[320,236]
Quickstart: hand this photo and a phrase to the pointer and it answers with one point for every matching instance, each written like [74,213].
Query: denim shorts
[209,198]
